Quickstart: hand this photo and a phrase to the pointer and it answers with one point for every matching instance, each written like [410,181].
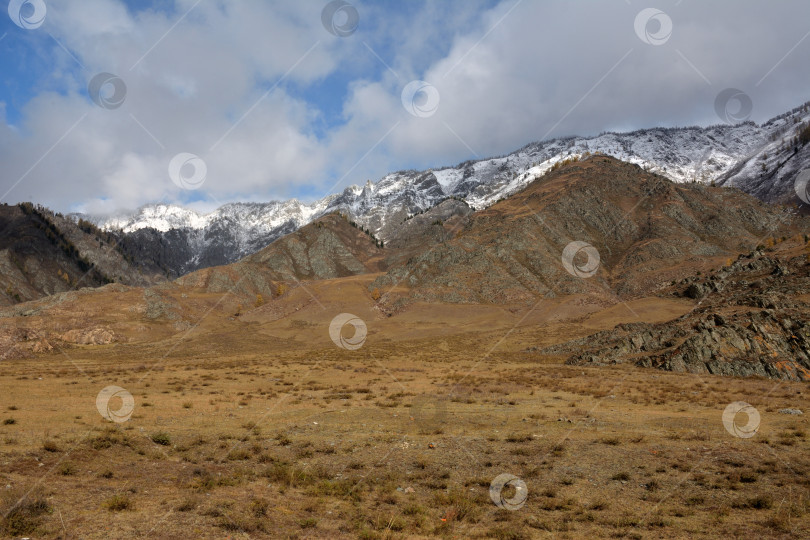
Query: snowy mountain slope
[770,172]
[730,155]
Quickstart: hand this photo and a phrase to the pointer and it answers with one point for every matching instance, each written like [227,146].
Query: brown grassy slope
[648,231]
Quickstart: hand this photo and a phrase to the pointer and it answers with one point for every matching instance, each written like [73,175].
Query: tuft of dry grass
[21,513]
[118,503]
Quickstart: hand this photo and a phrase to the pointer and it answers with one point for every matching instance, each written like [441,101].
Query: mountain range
[44,252]
[734,268]
[762,160]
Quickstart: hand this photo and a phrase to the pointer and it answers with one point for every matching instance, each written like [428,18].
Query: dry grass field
[259,426]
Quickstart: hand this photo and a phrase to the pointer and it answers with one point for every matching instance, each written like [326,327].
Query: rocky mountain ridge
[643,229]
[43,253]
[763,160]
[751,319]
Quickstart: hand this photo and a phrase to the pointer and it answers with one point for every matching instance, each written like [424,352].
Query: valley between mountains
[480,344]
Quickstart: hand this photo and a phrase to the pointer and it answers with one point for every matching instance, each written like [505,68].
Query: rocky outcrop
[766,343]
[751,322]
[89,336]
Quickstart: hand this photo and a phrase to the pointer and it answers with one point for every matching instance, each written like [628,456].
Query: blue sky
[28,59]
[276,106]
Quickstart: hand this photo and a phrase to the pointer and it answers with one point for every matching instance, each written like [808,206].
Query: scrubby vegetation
[377,242]
[58,238]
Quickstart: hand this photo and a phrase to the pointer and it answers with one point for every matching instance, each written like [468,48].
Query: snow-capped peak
[720,153]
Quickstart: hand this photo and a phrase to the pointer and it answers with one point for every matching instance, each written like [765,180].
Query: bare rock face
[41,346]
[89,336]
[18,342]
[755,324]
[22,342]
[766,343]
[694,291]
[159,305]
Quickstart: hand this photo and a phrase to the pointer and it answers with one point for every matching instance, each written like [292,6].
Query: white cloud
[505,78]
